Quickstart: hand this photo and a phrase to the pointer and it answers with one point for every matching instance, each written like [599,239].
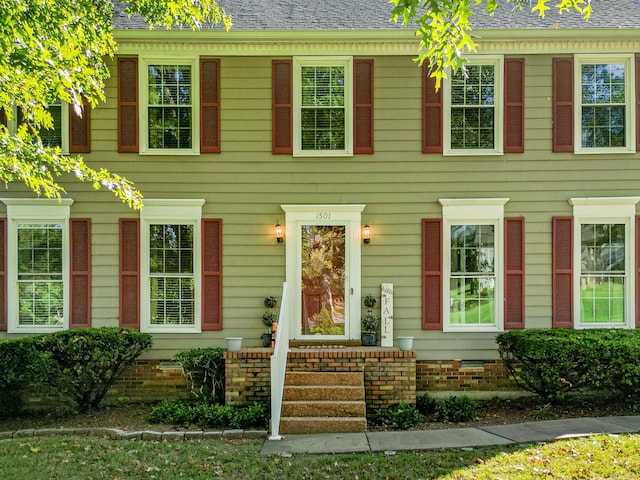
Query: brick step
[327,392]
[295,425]
[324,378]
[331,409]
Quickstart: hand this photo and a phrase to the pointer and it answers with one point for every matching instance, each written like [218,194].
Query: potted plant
[369,322]
[269,319]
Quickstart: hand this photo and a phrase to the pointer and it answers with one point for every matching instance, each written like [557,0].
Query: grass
[604,456]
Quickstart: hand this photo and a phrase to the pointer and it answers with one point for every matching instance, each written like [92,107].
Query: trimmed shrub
[206,414]
[84,363]
[556,362]
[20,365]
[204,369]
[456,409]
[426,404]
[400,415]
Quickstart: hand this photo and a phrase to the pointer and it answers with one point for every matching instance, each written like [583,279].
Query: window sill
[168,329]
[472,329]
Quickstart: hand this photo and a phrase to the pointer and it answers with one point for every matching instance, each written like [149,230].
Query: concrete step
[327,392]
[335,408]
[324,378]
[297,425]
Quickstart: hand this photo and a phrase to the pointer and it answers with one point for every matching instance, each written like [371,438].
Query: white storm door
[323,271]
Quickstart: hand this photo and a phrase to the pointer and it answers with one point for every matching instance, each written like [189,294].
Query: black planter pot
[266,339]
[368,339]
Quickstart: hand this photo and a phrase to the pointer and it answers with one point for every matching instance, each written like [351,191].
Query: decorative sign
[386,315]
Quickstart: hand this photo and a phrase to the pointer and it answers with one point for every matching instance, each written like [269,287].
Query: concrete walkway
[370,442]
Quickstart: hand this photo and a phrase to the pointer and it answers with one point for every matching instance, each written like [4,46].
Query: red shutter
[637,255]
[563,104]
[432,274]
[637,103]
[3,117]
[4,315]
[514,105]
[128,104]
[431,113]
[562,272]
[363,106]
[282,107]
[514,273]
[80,129]
[130,272]
[80,293]
[212,274]
[209,105]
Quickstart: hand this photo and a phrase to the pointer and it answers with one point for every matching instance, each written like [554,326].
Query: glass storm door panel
[323,286]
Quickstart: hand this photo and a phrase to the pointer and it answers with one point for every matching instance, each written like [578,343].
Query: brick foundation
[389,374]
[149,381]
[462,376]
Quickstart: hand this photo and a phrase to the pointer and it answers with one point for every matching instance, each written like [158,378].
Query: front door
[323,271]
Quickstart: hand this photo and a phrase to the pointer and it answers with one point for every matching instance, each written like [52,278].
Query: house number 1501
[323,216]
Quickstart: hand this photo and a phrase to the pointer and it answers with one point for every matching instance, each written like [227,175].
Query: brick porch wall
[389,374]
[463,376]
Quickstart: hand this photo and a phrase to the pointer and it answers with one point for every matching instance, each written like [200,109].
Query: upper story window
[604,104]
[168,118]
[58,135]
[473,252]
[473,105]
[322,113]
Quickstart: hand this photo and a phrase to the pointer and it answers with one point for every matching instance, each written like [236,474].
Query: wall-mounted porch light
[278,233]
[366,234]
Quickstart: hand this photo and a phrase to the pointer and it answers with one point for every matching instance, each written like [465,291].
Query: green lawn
[611,457]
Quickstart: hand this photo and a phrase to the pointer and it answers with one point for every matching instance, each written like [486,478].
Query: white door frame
[348,215]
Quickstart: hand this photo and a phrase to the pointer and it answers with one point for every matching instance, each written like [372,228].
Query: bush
[84,363]
[206,414]
[426,404]
[20,365]
[204,369]
[401,415]
[556,362]
[456,409]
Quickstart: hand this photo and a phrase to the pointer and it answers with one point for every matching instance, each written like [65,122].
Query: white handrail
[279,365]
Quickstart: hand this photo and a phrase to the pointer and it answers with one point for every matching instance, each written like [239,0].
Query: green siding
[245,186]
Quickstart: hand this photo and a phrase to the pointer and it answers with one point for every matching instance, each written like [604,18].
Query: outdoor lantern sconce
[278,233]
[366,234]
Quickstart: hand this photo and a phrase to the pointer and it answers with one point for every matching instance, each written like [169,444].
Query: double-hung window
[38,266]
[473,251]
[603,252]
[323,106]
[474,108]
[170,265]
[169,119]
[58,134]
[604,106]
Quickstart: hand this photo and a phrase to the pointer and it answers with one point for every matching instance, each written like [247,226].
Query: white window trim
[341,61]
[12,125]
[21,210]
[605,210]
[629,94]
[143,76]
[473,211]
[498,62]
[176,211]
[349,215]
